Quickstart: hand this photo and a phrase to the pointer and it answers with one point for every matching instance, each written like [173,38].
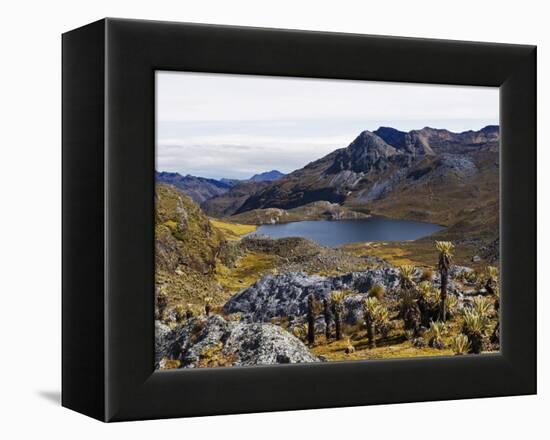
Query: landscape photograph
[306,221]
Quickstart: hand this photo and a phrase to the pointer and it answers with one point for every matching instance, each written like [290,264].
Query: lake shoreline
[334,233]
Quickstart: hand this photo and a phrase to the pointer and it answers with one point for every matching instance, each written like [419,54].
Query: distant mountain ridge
[267,176]
[201,189]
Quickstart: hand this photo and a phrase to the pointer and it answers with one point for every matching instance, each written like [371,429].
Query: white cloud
[236,125]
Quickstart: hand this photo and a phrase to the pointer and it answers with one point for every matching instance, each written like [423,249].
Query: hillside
[228,203]
[187,247]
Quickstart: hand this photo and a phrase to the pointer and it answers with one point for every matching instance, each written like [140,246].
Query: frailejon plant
[311,319]
[428,302]
[491,285]
[460,344]
[451,305]
[328,318]
[337,298]
[406,274]
[376,317]
[475,327]
[369,306]
[445,249]
[435,335]
[300,331]
[482,306]
[408,306]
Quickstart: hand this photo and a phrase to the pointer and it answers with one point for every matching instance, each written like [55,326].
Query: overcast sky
[219,125]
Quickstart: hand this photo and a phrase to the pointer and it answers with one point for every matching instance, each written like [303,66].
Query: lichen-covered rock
[286,294]
[216,342]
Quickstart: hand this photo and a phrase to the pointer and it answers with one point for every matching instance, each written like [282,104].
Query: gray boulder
[231,343]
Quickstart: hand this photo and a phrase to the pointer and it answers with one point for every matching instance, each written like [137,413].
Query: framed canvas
[263,219]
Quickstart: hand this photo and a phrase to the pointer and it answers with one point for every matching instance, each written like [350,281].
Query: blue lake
[334,233]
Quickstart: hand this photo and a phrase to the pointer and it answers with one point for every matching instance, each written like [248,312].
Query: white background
[30,249]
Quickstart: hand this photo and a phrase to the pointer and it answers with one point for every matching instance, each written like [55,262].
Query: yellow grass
[232,231]
[420,253]
[248,269]
[335,350]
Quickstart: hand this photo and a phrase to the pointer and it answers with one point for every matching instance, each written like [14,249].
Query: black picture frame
[108,219]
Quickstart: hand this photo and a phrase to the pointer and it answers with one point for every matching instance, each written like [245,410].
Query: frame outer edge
[130,396]
[83,343]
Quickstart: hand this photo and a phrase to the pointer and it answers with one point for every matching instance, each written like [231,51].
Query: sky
[234,126]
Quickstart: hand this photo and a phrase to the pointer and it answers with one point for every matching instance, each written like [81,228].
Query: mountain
[227,203]
[267,176]
[230,182]
[428,174]
[199,189]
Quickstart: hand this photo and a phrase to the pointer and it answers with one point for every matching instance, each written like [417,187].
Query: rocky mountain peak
[366,151]
[267,176]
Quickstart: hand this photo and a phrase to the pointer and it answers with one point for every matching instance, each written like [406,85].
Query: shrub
[491,285]
[427,275]
[482,306]
[377,291]
[376,318]
[460,344]
[475,328]
[435,335]
[337,298]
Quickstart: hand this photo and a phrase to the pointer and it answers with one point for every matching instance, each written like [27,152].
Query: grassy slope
[420,253]
[232,231]
[467,206]
[186,246]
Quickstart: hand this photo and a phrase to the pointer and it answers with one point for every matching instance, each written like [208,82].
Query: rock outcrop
[215,342]
[286,295]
